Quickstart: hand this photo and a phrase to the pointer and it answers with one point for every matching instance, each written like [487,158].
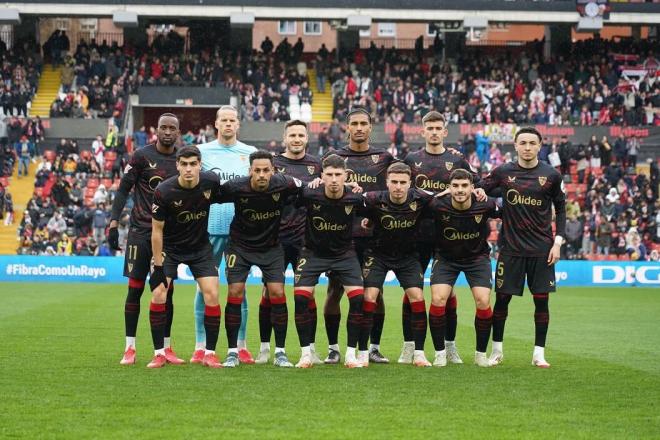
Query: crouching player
[394,215]
[179,235]
[462,228]
[259,200]
[331,210]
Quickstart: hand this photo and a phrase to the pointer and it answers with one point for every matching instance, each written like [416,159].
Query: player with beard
[297,163]
[367,167]
[179,236]
[331,212]
[259,200]
[228,158]
[431,167]
[148,167]
[529,189]
[462,228]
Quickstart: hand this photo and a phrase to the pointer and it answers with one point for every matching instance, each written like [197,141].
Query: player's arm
[559,202]
[496,209]
[157,225]
[491,183]
[366,210]
[226,192]
[127,182]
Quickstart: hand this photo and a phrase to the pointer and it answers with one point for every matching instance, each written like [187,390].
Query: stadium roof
[530,11]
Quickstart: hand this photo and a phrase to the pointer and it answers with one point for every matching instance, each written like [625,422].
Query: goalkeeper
[228,158]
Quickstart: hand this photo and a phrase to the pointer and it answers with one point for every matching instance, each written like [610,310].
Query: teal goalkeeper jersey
[228,162]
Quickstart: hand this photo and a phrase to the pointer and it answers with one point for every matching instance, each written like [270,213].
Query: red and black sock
[265,326]
[354,320]
[500,313]
[314,319]
[157,319]
[438,326]
[377,328]
[368,308]
[332,327]
[406,312]
[233,319]
[483,321]
[170,310]
[302,298]
[132,306]
[418,323]
[211,326]
[279,317]
[541,318]
[452,318]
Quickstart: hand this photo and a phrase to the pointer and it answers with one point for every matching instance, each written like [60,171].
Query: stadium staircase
[49,86]
[21,191]
[322,103]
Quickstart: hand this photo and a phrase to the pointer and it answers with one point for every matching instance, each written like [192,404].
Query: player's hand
[314,183]
[480,194]
[113,238]
[553,256]
[442,193]
[157,278]
[357,189]
[365,223]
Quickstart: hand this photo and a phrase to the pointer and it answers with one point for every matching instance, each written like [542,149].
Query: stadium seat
[93,182]
[110,156]
[4,181]
[107,166]
[86,154]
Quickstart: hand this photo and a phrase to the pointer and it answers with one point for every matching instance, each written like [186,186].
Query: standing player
[331,212]
[367,167]
[259,200]
[305,167]
[431,167]
[527,248]
[228,158]
[179,235]
[395,216]
[462,228]
[148,167]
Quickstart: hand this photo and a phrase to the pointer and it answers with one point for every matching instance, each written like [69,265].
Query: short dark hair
[399,168]
[293,122]
[261,154]
[530,130]
[168,115]
[334,161]
[433,116]
[188,151]
[357,111]
[461,174]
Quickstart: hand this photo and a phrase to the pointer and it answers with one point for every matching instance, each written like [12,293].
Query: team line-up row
[355,215]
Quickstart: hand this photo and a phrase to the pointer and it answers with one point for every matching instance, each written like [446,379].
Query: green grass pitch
[60,375]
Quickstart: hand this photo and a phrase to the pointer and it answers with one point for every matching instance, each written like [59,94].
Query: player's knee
[236,290]
[370,294]
[415,295]
[482,303]
[276,291]
[159,296]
